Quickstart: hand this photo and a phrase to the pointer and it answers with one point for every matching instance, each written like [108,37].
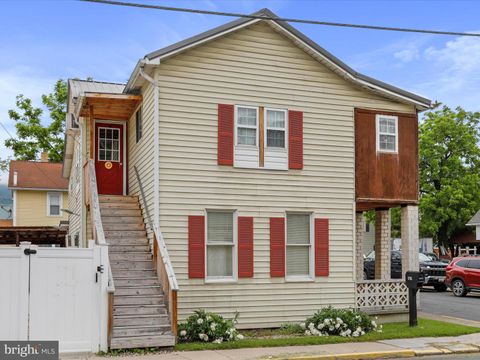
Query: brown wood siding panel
[383,177]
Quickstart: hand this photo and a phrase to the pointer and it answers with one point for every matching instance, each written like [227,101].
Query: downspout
[156,147]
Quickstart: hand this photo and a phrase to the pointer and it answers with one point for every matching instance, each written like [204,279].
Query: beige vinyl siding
[257,66]
[75,201]
[31,208]
[141,155]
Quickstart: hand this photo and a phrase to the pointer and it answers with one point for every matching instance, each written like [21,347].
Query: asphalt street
[448,305]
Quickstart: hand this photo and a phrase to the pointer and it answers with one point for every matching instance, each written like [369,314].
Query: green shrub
[290,329]
[342,322]
[208,327]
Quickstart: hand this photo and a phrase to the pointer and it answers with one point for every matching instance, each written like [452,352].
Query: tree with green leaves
[34,137]
[449,172]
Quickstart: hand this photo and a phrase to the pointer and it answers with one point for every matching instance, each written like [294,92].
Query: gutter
[156,146]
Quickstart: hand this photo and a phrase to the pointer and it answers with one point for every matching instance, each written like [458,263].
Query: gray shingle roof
[475,220]
[267,13]
[77,87]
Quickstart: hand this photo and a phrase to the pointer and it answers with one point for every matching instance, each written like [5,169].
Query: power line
[266,17]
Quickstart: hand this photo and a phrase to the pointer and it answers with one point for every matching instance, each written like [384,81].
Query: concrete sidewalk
[366,350]
[362,350]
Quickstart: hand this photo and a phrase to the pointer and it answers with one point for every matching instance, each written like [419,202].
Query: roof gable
[36,175]
[301,40]
[475,220]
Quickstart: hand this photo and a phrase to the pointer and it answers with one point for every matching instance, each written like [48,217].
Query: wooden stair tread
[139,326]
[160,316]
[141,286]
[140,315]
[142,341]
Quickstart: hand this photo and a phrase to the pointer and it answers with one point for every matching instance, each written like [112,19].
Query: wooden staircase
[140,314]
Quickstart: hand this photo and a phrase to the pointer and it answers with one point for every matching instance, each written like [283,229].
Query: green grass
[290,336]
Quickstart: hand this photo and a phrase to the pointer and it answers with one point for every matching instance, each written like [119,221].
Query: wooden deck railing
[161,260]
[93,204]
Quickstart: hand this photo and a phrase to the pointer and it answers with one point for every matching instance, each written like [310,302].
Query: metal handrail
[172,279]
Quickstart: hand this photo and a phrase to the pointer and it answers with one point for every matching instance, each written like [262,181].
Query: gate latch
[99,270]
[29,251]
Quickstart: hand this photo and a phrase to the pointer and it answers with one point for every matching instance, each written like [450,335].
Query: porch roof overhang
[106,106]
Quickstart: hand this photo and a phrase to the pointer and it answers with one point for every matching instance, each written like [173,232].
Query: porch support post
[91,124]
[410,238]
[382,244]
[359,237]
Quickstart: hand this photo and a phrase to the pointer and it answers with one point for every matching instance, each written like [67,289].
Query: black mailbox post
[414,281]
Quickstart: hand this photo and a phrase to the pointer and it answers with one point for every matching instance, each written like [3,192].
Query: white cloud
[408,54]
[458,64]
[440,68]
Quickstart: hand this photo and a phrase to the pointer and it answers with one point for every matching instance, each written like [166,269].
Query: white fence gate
[52,294]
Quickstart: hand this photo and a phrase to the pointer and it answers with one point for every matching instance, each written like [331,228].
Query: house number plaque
[108,165]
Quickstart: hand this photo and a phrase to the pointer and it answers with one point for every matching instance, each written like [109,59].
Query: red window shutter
[225,134]
[196,247]
[321,247]
[277,247]
[295,139]
[245,247]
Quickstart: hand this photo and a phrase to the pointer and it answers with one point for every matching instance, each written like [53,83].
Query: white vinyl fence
[53,294]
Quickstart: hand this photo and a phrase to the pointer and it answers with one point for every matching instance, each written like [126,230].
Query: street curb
[379,354]
[354,356]
[431,352]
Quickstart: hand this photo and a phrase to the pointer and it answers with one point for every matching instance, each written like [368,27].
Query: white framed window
[109,144]
[221,254]
[54,203]
[387,133]
[246,125]
[275,128]
[299,248]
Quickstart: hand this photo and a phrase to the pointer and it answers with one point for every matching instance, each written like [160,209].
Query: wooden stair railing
[162,263]
[93,205]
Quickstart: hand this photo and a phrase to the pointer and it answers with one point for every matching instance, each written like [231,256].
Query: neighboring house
[475,221]
[247,154]
[39,193]
[6,222]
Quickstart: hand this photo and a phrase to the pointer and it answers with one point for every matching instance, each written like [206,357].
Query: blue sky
[42,41]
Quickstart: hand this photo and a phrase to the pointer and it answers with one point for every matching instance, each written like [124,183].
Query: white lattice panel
[376,296]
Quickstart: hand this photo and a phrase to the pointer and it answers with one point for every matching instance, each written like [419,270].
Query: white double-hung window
[261,138]
[387,133]
[299,247]
[54,201]
[221,254]
[246,136]
[247,125]
[275,128]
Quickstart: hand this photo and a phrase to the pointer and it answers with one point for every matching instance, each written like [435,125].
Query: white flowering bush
[340,322]
[208,327]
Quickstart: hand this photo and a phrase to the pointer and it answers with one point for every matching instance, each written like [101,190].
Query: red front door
[109,160]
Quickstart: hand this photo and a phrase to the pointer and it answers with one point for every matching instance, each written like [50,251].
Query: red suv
[463,275]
